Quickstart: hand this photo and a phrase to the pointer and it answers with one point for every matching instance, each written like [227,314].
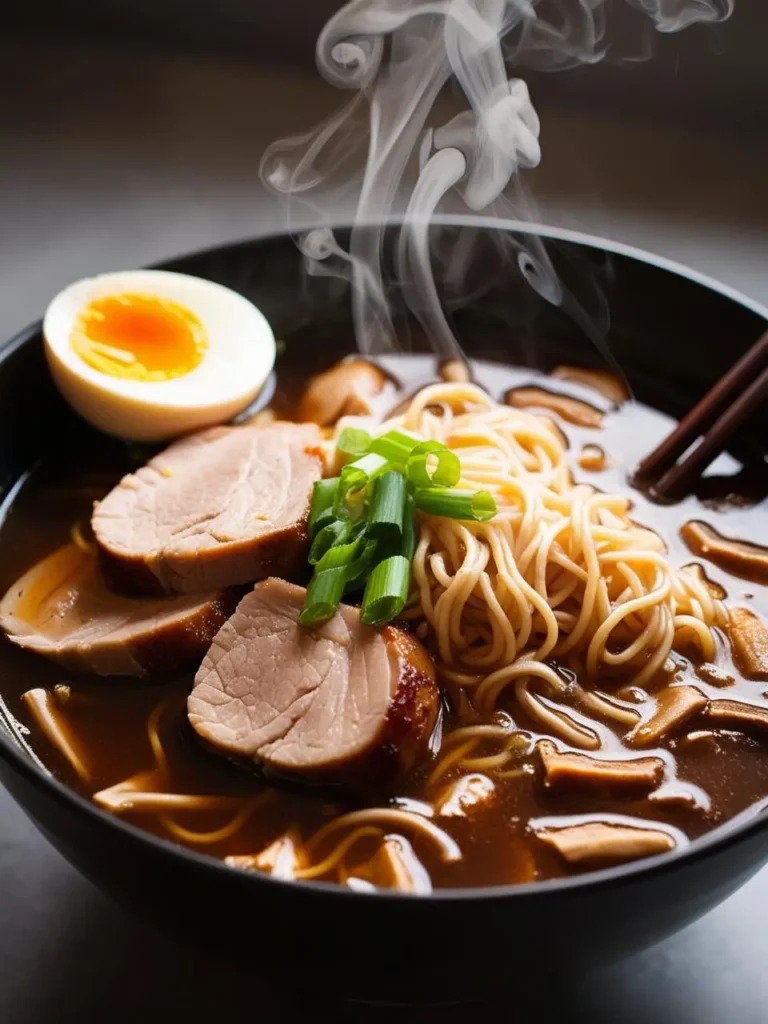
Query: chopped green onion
[408,543]
[353,441]
[440,501]
[386,591]
[336,532]
[321,506]
[338,571]
[354,479]
[363,522]
[341,555]
[445,474]
[395,446]
[356,569]
[362,471]
[324,593]
[358,528]
[385,519]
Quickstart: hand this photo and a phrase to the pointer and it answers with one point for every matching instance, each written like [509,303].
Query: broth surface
[719,772]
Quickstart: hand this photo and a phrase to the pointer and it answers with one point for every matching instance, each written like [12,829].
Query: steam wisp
[397,56]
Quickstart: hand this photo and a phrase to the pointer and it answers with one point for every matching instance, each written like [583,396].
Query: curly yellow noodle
[339,852]
[561,571]
[218,835]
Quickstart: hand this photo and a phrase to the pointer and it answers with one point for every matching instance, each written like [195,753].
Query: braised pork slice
[337,703]
[63,610]
[226,506]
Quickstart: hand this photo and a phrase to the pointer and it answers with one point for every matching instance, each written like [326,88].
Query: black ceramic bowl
[673,332]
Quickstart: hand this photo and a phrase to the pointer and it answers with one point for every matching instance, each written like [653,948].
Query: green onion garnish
[446,472]
[363,522]
[360,472]
[340,556]
[356,569]
[385,519]
[395,446]
[386,591]
[353,442]
[441,501]
[408,542]
[336,532]
[354,479]
[321,506]
[324,593]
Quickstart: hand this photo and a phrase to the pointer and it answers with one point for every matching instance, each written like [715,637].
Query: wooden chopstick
[724,408]
[678,479]
[705,412]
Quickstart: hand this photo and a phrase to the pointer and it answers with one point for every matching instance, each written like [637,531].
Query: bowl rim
[742,826]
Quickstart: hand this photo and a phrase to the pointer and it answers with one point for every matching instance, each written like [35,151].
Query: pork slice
[226,506]
[63,610]
[336,703]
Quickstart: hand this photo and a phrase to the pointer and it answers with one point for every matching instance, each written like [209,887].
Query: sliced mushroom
[280,859]
[455,371]
[674,706]
[715,590]
[573,410]
[56,728]
[580,771]
[700,738]
[607,384]
[738,557]
[592,458]
[736,714]
[347,389]
[679,794]
[598,843]
[465,794]
[749,642]
[395,866]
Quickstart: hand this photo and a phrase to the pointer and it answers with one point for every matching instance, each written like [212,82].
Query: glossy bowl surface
[673,332]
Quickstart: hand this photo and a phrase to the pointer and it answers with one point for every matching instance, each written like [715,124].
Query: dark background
[132,131]
[716,74]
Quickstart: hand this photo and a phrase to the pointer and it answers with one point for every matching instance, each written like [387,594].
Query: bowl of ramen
[386,657]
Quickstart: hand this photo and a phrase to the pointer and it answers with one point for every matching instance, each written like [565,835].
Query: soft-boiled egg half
[147,355]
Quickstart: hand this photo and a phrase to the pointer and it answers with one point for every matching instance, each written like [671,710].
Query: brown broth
[109,716]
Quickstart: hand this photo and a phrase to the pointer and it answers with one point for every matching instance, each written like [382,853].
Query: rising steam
[396,56]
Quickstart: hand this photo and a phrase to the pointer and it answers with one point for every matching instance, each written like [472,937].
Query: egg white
[239,357]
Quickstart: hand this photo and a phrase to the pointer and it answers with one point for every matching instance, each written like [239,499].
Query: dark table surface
[158,159]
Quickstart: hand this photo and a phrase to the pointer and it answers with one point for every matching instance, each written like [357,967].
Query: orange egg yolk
[139,337]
